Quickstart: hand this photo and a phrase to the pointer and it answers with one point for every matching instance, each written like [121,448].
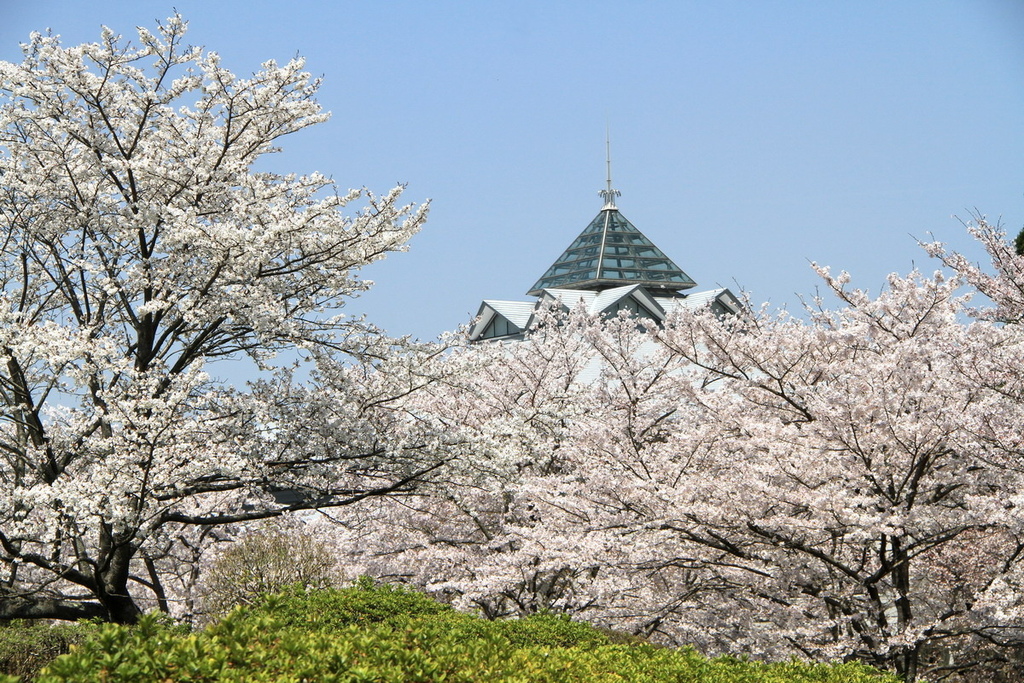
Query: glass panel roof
[611,252]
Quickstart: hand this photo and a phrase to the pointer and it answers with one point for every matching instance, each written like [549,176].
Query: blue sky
[748,138]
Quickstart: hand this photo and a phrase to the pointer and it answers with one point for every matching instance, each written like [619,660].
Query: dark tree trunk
[121,609]
[113,587]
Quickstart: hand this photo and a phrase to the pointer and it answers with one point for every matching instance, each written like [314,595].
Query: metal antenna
[608,193]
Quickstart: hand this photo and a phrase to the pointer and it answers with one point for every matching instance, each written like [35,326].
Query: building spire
[608,193]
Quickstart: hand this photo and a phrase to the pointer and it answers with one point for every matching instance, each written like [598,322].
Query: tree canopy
[845,484]
[139,243]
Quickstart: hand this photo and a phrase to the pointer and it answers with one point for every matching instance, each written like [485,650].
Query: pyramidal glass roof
[611,252]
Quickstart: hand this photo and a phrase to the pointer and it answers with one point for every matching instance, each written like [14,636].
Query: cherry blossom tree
[1004,284]
[139,246]
[837,462]
[507,412]
[844,485]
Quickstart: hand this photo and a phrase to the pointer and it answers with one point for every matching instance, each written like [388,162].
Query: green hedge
[26,647]
[333,611]
[388,635]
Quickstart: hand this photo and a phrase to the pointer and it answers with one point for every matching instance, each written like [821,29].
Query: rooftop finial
[608,193]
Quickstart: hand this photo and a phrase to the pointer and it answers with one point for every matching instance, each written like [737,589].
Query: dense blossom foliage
[139,244]
[847,484]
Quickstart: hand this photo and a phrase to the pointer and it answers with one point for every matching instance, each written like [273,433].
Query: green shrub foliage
[389,635]
[26,647]
[331,610]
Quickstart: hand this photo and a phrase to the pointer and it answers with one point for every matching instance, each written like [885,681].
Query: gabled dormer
[636,299]
[502,320]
